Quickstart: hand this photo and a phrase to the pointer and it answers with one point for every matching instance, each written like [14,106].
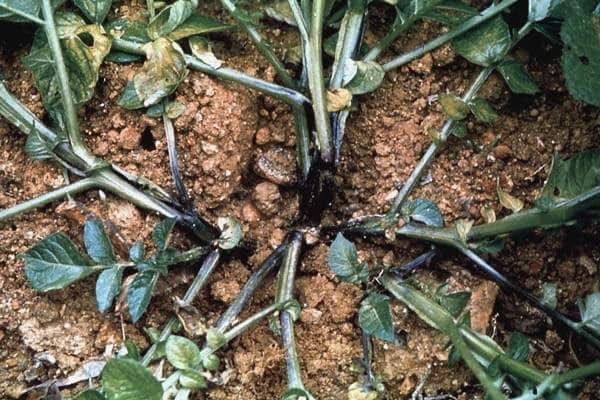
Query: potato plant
[332,68]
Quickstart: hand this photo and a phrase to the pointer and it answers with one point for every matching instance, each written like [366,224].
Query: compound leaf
[140,293]
[107,287]
[97,243]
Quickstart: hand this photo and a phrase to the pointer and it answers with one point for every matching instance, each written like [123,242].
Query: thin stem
[150,7]
[199,281]
[400,25]
[40,201]
[433,149]
[367,345]
[424,259]
[255,280]
[505,283]
[260,42]
[467,25]
[22,14]
[184,197]
[70,112]
[302,142]
[284,94]
[285,286]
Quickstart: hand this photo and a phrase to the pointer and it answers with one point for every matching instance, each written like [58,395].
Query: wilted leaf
[358,391]
[488,214]
[368,77]
[160,75]
[139,293]
[580,33]
[107,287]
[517,78]
[231,233]
[161,234]
[343,261]
[84,48]
[463,227]
[572,177]
[508,201]
[95,10]
[202,50]
[486,44]
[215,338]
[375,317]
[135,31]
[483,110]
[170,18]
[280,10]
[453,106]
[182,353]
[590,312]
[549,295]
[97,243]
[423,210]
[518,347]
[55,263]
[452,12]
[197,24]
[338,99]
[126,379]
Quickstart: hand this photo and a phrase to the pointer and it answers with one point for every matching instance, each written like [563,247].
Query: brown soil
[235,149]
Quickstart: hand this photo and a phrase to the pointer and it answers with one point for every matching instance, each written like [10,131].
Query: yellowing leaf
[488,214]
[509,201]
[338,99]
[454,106]
[463,227]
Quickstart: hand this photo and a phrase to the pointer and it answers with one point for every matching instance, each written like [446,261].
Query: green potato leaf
[55,263]
[107,287]
[540,9]
[215,338]
[375,317]
[126,379]
[161,235]
[140,293]
[455,302]
[30,7]
[84,49]
[343,261]
[137,252]
[580,33]
[170,18]
[518,347]
[486,44]
[572,177]
[590,312]
[160,75]
[369,76]
[197,24]
[182,353]
[517,78]
[94,10]
[424,211]
[191,379]
[451,12]
[97,243]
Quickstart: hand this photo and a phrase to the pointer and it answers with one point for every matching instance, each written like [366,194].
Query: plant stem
[284,94]
[150,7]
[22,14]
[501,280]
[285,287]
[436,316]
[260,42]
[182,193]
[40,201]
[467,25]
[367,345]
[238,329]
[403,270]
[431,152]
[255,280]
[72,124]
[199,281]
